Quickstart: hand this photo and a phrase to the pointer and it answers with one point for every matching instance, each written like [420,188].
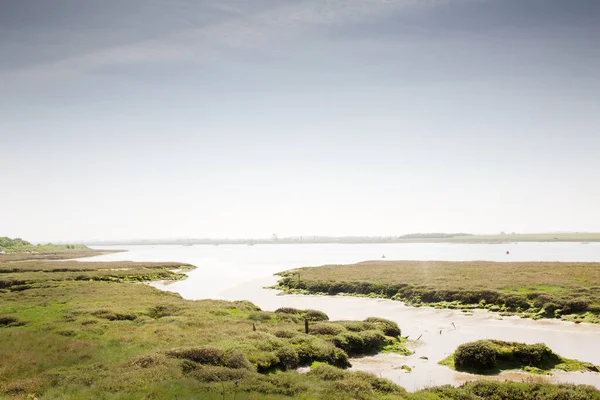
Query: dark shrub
[514,301]
[550,308]
[315,315]
[350,342]
[264,361]
[202,355]
[389,328]
[10,321]
[288,357]
[326,329]
[532,355]
[327,372]
[288,310]
[480,355]
[237,360]
[148,361]
[312,349]
[542,299]
[372,341]
[576,305]
[339,358]
[112,316]
[311,315]
[430,296]
[67,332]
[358,326]
[161,311]
[290,318]
[188,366]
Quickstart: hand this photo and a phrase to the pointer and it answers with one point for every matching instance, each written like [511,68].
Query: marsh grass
[24,274]
[82,327]
[104,337]
[569,291]
[483,390]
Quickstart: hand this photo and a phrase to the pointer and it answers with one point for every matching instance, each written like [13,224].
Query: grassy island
[72,330]
[494,356]
[570,291]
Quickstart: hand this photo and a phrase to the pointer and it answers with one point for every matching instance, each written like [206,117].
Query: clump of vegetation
[363,384]
[530,289]
[480,390]
[389,328]
[479,356]
[492,356]
[6,321]
[202,355]
[310,315]
[370,336]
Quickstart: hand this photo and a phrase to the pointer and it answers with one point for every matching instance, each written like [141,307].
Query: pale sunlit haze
[236,118]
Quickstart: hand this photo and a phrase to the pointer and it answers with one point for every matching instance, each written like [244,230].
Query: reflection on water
[241,272]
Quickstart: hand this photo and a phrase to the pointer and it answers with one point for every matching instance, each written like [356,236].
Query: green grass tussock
[311,315]
[483,390]
[493,356]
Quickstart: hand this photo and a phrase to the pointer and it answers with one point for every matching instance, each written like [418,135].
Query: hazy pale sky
[238,118]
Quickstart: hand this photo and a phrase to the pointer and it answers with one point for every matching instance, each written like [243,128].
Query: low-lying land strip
[493,356]
[19,245]
[54,255]
[19,250]
[73,330]
[27,274]
[570,291]
[584,238]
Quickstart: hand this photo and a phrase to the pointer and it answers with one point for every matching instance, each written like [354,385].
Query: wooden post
[306,326]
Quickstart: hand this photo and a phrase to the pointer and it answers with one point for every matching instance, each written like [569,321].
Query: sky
[234,118]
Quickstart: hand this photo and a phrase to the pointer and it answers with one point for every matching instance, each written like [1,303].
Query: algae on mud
[570,291]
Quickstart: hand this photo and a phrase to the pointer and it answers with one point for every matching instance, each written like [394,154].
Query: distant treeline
[432,235]
[287,240]
[18,245]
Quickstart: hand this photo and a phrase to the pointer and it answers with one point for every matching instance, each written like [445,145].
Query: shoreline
[467,309]
[538,290]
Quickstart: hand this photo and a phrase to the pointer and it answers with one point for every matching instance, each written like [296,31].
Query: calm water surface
[241,272]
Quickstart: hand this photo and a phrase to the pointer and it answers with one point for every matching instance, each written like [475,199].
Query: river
[241,273]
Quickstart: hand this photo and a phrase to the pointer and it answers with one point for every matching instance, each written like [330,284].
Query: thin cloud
[236,30]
